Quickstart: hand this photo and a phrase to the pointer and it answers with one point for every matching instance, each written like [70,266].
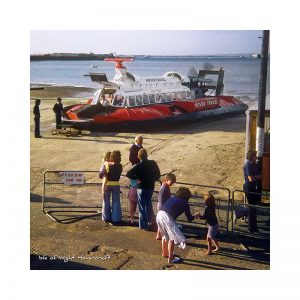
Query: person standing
[252,188]
[132,192]
[36,112]
[212,222]
[113,169]
[146,173]
[134,149]
[58,108]
[164,195]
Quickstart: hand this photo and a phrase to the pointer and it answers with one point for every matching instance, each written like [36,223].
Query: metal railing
[84,200]
[61,198]
[251,221]
[221,195]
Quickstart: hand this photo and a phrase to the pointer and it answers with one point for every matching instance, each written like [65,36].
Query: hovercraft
[133,103]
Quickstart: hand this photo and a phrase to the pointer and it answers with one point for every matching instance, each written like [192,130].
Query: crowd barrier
[243,213]
[69,195]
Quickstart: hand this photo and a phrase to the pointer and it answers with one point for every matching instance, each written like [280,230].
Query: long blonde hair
[106,156]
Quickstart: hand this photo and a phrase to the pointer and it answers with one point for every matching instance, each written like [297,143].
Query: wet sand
[210,153]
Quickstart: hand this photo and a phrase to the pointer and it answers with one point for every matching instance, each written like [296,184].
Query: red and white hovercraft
[131,103]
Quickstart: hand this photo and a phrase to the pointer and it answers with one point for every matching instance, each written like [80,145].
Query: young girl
[103,169]
[212,222]
[164,195]
[132,197]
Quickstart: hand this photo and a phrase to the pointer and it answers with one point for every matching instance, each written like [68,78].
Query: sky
[147,42]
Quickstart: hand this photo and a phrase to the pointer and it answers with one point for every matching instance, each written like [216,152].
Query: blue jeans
[112,213]
[146,213]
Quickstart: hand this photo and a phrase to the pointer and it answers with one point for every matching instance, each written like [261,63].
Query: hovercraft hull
[110,124]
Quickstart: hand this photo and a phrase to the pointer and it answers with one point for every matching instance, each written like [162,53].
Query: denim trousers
[146,214]
[112,212]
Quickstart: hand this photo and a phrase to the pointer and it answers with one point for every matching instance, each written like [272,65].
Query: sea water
[241,77]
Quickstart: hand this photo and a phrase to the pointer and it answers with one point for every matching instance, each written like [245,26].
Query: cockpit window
[130,76]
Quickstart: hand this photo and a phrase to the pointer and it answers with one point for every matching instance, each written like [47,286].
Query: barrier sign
[73,178]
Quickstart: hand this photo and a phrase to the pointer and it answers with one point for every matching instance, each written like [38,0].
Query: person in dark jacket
[166,222]
[252,188]
[36,112]
[134,149]
[132,192]
[58,108]
[212,222]
[146,173]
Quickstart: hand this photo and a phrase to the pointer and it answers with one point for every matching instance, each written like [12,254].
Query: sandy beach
[207,153]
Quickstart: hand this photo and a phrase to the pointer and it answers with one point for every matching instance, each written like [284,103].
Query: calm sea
[241,73]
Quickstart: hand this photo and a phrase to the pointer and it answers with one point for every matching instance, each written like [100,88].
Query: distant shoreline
[101,57]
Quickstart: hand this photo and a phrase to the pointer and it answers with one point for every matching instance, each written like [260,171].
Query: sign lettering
[209,103]
[73,178]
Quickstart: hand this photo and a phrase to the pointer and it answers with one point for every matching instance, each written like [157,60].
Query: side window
[188,94]
[183,95]
[163,97]
[131,101]
[158,98]
[118,100]
[168,97]
[145,99]
[152,98]
[139,100]
[174,96]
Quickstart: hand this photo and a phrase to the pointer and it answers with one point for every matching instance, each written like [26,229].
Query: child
[103,169]
[166,222]
[132,197]
[164,195]
[212,222]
